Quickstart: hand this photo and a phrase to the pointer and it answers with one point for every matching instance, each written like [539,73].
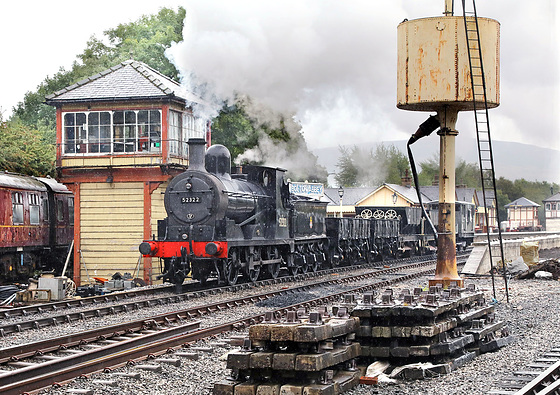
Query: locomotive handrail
[246,194]
[198,191]
[251,218]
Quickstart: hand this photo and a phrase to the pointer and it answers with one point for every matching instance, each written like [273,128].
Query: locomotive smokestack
[196,154]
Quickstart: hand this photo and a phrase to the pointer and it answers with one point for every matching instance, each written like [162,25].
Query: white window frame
[17,208]
[34,209]
[82,144]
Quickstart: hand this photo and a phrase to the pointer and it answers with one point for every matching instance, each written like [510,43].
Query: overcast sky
[333,63]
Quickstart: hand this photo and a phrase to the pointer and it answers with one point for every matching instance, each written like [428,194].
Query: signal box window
[99,132]
[110,132]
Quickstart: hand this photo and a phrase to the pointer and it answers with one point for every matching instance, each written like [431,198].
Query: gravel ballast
[532,315]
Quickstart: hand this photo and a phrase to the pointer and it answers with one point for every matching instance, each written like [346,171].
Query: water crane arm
[425,129]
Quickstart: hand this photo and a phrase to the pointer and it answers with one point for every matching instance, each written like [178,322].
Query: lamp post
[340,194]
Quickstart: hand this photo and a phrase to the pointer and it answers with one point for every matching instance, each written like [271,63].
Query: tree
[393,164]
[465,173]
[348,172]
[371,168]
[24,150]
[429,170]
[145,40]
[233,129]
[280,144]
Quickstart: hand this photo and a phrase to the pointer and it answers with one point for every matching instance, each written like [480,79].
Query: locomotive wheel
[252,274]
[250,271]
[230,268]
[292,269]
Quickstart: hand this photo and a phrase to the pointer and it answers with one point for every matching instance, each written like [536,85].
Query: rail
[36,376]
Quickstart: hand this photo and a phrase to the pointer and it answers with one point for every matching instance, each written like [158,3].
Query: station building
[523,214]
[120,137]
[552,212]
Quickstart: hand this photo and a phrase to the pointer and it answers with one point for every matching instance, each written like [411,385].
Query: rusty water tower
[434,75]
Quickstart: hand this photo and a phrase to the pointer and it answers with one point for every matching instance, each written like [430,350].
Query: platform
[479,261]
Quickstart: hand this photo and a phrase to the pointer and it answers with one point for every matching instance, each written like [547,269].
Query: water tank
[433,64]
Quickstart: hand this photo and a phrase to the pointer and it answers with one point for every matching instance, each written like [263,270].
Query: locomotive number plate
[190,199]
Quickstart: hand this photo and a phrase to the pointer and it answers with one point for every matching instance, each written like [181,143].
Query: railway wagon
[399,230]
[464,221]
[350,240]
[36,226]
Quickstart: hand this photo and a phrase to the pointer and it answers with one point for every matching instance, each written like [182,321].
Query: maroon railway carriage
[36,226]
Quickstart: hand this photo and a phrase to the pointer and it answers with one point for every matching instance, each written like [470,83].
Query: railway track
[155,336]
[541,377]
[124,303]
[189,288]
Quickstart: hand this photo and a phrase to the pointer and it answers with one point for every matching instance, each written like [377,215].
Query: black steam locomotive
[221,225]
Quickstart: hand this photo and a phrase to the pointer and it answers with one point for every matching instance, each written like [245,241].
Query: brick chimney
[435,182]
[406,181]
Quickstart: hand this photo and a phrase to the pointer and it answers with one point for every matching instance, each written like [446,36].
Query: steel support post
[446,267]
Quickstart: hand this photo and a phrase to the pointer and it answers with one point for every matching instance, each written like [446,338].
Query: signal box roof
[522,202]
[128,80]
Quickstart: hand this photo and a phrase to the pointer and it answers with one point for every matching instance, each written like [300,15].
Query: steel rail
[33,349]
[44,374]
[548,382]
[30,349]
[187,288]
[542,377]
[89,300]
[102,311]
[33,378]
